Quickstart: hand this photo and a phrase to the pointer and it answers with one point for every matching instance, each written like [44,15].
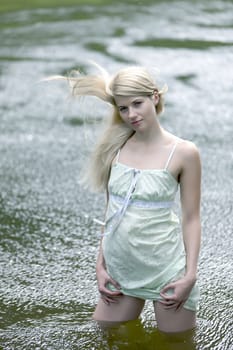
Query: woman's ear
[155,97]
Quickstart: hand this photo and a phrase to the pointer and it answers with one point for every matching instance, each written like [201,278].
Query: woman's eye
[122,109]
[137,103]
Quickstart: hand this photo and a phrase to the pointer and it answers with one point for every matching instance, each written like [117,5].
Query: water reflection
[136,335]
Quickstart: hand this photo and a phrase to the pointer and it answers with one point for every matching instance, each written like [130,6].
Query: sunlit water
[48,240]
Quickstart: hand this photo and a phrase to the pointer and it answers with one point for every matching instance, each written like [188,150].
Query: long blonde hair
[130,81]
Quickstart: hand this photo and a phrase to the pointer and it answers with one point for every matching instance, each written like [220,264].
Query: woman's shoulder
[187,151]
[183,145]
[187,146]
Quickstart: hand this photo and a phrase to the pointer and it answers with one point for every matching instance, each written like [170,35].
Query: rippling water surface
[48,240]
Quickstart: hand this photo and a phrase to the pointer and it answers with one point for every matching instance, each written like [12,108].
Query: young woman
[145,252]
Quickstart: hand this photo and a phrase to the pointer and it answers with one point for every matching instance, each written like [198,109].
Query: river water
[48,240]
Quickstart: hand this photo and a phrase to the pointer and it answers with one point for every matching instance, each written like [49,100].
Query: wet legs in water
[176,328]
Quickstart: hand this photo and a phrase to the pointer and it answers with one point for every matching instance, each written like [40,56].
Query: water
[48,242]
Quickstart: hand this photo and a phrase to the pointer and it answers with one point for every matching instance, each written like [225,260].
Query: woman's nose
[132,112]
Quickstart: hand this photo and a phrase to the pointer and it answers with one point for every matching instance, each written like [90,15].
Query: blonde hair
[130,81]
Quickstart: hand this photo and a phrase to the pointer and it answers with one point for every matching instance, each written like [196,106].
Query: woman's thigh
[125,308]
[171,320]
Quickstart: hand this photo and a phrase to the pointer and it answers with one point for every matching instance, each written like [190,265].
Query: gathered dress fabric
[142,244]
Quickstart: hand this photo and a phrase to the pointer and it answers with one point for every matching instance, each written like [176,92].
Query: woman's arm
[190,189]
[103,277]
[190,193]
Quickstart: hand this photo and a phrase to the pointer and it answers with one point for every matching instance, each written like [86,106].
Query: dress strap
[118,155]
[117,216]
[171,154]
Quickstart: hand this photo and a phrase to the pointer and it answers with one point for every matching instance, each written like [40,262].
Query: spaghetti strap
[117,156]
[171,154]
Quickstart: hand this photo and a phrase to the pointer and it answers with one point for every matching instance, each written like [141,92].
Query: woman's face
[137,111]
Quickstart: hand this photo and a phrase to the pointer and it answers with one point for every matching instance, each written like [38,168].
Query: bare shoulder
[188,153]
[185,148]
[188,149]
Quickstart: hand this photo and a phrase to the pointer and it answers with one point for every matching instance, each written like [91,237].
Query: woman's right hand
[103,279]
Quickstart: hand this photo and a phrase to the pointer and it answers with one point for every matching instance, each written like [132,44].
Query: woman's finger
[114,283]
[166,288]
[168,297]
[105,291]
[180,305]
[168,302]
[107,299]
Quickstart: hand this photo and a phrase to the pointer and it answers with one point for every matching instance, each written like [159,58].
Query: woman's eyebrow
[135,99]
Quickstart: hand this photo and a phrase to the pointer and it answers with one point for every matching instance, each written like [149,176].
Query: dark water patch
[102,48]
[15,230]
[75,121]
[14,311]
[45,16]
[215,25]
[14,58]
[15,5]
[96,46]
[135,335]
[119,32]
[18,5]
[52,336]
[181,43]
[187,79]
[217,7]
[121,59]
[26,312]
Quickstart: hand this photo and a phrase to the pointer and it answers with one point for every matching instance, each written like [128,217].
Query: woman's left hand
[178,293]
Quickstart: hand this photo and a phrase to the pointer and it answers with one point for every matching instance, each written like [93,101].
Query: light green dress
[142,244]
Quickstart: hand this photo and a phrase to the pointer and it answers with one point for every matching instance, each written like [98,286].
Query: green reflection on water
[135,335]
[16,5]
[102,48]
[181,43]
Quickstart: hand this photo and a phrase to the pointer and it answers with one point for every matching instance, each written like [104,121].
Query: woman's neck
[152,135]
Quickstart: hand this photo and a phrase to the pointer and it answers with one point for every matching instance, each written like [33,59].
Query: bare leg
[171,320]
[125,308]
[177,328]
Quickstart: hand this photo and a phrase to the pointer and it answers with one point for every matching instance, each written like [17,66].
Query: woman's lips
[136,122]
